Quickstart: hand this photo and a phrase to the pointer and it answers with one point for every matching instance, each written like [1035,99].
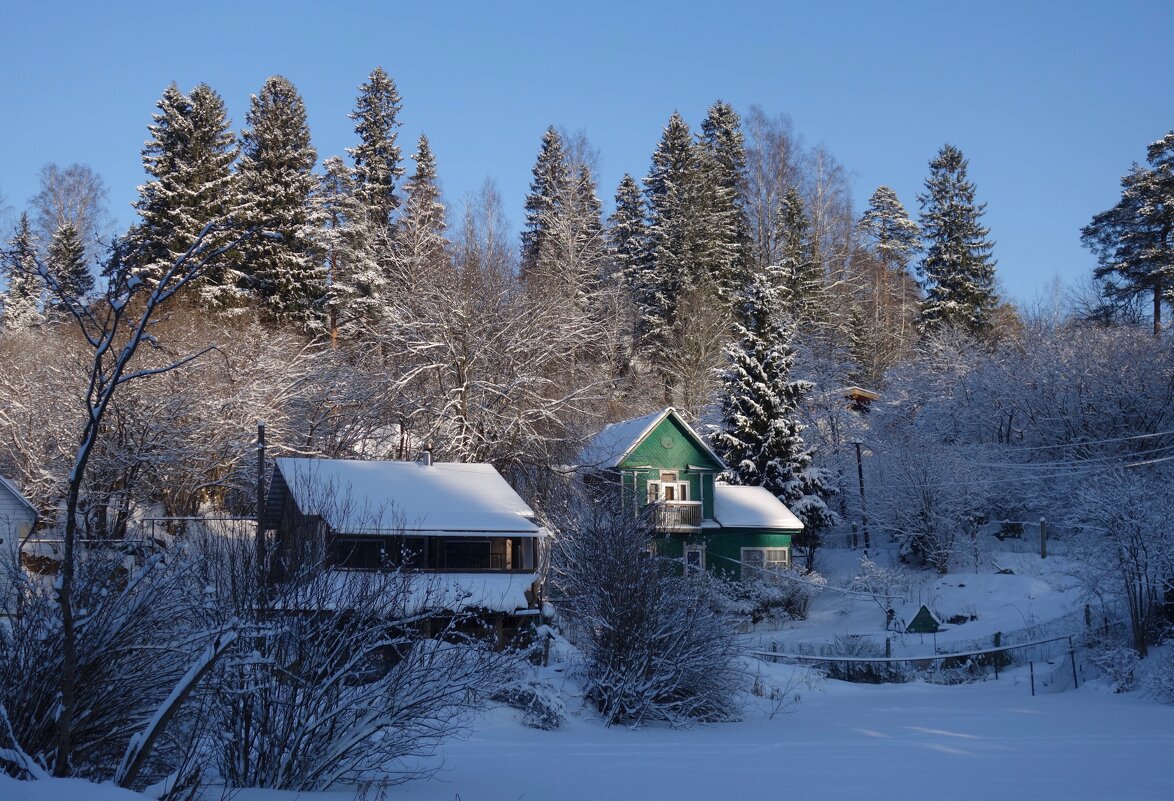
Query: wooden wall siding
[723,548]
[682,452]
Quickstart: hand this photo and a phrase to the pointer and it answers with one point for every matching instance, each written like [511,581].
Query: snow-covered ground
[991,739]
[913,741]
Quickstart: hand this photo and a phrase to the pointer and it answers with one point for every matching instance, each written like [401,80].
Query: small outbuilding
[18,518]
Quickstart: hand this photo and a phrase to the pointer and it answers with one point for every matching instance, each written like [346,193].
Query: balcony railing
[678,515]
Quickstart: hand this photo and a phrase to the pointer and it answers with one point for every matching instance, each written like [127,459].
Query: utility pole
[261,505]
[863,505]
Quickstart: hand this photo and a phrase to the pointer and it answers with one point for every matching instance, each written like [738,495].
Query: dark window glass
[463,554]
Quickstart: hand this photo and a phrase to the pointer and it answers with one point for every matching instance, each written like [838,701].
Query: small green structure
[659,460]
[924,622]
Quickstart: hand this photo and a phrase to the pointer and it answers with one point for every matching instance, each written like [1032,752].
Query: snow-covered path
[984,741]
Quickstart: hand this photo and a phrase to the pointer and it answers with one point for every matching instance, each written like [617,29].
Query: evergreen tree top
[377,156]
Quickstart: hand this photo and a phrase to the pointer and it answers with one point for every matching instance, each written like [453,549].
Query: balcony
[678,516]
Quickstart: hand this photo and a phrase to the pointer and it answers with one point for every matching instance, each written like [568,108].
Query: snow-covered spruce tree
[22,299]
[760,436]
[722,139]
[573,253]
[421,245]
[377,162]
[340,229]
[684,245]
[655,648]
[1134,240]
[550,185]
[627,236]
[189,160]
[957,270]
[276,179]
[66,261]
[882,328]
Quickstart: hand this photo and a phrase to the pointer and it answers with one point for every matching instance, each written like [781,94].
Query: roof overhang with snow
[370,497]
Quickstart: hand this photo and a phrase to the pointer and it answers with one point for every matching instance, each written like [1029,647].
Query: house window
[758,559]
[466,554]
[356,554]
[694,558]
[668,488]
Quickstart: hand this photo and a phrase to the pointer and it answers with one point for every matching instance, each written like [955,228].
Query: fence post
[1032,664]
[1072,655]
[997,654]
[888,648]
[1043,538]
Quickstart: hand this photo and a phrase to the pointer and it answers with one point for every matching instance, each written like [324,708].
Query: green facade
[673,446]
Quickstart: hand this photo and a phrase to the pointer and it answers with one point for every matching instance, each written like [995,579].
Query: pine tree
[1134,240]
[23,295]
[66,263]
[957,271]
[421,245]
[729,259]
[377,157]
[189,159]
[760,438]
[551,182]
[276,178]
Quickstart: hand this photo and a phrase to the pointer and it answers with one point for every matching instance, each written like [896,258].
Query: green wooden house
[660,460]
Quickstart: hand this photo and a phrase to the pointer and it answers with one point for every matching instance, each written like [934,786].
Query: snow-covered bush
[1119,664]
[786,596]
[655,647]
[1160,675]
[538,699]
[854,648]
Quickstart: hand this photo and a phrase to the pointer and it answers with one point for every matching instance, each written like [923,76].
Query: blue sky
[1051,102]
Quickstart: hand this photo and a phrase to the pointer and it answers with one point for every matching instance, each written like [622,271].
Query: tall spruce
[551,183]
[672,190]
[23,295]
[627,235]
[421,245]
[760,438]
[189,160]
[957,271]
[276,178]
[1134,240]
[377,162]
[66,263]
[729,244]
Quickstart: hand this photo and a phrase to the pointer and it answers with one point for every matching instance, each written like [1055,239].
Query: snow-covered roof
[613,443]
[16,494]
[751,507]
[355,496]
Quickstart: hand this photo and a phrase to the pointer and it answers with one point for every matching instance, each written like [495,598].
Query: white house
[461,523]
[17,519]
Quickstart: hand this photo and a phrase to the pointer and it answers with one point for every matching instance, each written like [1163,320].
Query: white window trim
[771,558]
[697,549]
